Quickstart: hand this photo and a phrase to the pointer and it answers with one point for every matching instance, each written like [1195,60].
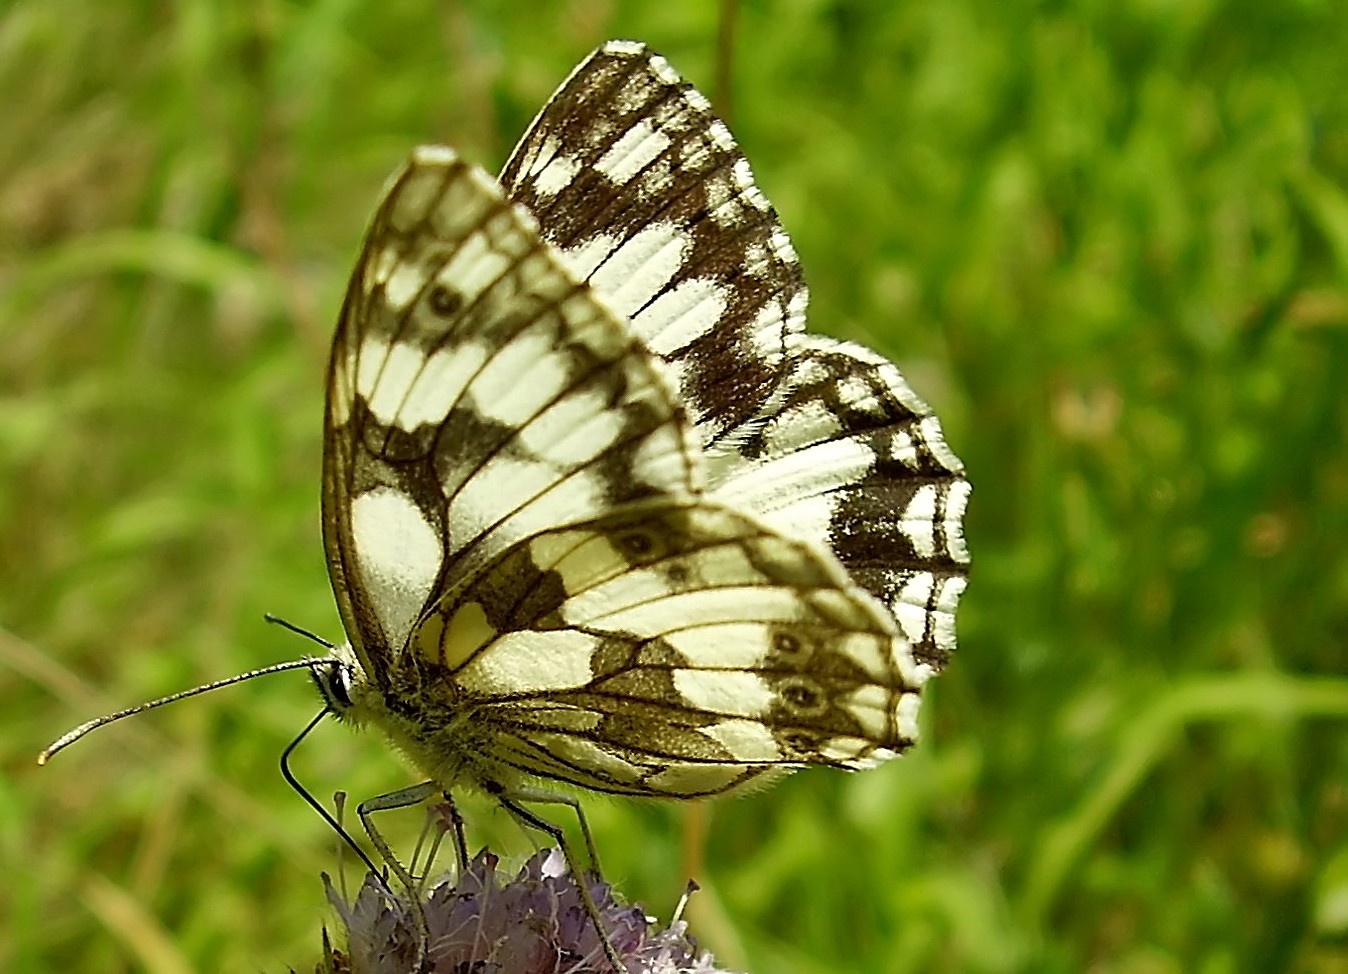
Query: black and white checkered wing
[643,189]
[477,393]
[847,455]
[674,648]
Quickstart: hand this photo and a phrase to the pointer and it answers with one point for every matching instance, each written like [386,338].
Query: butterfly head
[340,680]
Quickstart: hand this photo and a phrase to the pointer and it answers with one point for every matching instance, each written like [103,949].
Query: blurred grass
[1109,242]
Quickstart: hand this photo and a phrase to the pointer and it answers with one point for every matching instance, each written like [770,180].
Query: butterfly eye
[334,683]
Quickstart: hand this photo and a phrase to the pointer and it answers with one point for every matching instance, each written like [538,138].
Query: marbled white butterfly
[597,510]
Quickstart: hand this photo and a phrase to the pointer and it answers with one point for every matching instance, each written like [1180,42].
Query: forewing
[643,189]
[849,457]
[671,648]
[476,394]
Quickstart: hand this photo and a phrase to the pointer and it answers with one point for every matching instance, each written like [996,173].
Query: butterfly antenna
[298,630]
[71,736]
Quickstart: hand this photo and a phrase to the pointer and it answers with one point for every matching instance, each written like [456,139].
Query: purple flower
[535,923]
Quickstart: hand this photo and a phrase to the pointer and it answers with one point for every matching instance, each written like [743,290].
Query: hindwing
[848,456]
[671,648]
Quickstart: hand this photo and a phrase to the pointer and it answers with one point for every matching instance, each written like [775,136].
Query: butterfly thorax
[438,735]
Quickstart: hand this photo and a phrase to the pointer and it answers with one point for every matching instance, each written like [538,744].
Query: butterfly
[597,510]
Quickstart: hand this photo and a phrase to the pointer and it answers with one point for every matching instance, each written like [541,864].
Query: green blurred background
[1107,240]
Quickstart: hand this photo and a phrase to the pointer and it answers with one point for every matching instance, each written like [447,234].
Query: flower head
[484,923]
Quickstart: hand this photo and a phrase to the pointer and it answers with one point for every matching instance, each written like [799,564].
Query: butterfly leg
[444,817]
[414,795]
[540,796]
[511,803]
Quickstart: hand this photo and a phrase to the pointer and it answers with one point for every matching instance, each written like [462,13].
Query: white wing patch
[398,556]
[405,388]
[629,275]
[513,664]
[556,175]
[638,147]
[720,692]
[681,316]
